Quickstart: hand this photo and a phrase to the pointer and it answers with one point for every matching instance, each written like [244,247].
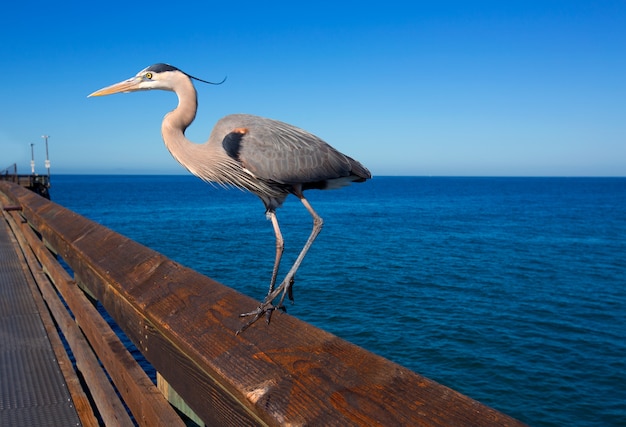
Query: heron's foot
[267,308]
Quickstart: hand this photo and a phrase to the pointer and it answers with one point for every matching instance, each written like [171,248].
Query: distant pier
[40,184]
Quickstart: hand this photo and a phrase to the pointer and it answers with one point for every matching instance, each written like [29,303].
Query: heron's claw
[290,290]
[266,309]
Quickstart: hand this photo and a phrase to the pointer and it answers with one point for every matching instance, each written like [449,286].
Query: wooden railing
[184,323]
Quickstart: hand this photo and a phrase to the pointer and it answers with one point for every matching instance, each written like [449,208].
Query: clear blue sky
[408,88]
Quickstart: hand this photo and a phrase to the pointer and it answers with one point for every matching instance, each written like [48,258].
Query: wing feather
[279,152]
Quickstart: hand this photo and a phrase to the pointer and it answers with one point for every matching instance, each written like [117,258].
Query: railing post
[176,401]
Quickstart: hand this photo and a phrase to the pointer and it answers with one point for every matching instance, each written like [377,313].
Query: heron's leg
[285,287]
[280,246]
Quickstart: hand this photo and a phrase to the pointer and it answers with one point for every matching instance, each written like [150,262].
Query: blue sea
[509,290]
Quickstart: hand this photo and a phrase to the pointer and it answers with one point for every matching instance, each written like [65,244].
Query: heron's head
[157,76]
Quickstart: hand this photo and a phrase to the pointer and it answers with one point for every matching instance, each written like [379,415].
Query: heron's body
[269,158]
[272,159]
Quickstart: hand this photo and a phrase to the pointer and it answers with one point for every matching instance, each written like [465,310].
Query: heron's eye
[149,76]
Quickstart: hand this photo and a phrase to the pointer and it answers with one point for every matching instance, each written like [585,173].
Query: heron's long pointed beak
[129,85]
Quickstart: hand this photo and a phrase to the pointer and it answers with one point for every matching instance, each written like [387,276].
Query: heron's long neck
[176,121]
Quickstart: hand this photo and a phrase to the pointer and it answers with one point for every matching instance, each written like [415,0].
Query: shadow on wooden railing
[184,323]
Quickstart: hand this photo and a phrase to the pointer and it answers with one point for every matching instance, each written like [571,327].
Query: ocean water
[509,290]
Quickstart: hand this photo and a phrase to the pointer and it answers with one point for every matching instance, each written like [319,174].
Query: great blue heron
[266,157]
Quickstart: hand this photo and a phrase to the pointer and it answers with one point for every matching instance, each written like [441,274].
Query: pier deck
[32,387]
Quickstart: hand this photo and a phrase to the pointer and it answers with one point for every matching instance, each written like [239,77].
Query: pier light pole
[45,137]
[32,159]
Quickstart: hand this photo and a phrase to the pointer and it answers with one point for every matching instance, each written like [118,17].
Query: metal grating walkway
[32,388]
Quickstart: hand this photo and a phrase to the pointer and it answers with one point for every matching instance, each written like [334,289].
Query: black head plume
[160,68]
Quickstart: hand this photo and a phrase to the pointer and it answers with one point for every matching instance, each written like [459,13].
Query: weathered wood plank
[203,393]
[287,373]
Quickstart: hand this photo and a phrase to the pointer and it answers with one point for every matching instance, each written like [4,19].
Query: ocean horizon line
[373,177]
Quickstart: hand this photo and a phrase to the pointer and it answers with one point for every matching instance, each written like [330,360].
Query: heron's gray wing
[280,152]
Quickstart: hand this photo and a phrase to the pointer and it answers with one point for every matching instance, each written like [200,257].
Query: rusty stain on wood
[288,373]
